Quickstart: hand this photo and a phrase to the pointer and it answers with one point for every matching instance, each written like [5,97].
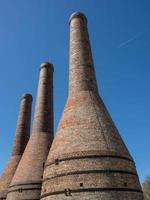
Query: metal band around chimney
[92,190]
[103,171]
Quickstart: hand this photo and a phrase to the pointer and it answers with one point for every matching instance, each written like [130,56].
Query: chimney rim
[47,65]
[78,15]
[27,96]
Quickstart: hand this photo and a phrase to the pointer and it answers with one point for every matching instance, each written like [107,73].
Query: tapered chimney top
[27,96]
[47,65]
[78,15]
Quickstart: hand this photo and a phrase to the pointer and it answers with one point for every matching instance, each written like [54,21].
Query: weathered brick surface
[88,159]
[20,141]
[88,164]
[97,195]
[26,183]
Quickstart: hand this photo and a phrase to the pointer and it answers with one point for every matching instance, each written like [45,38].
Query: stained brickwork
[88,159]
[20,141]
[26,183]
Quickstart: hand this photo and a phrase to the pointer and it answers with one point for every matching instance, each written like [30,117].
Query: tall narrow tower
[26,183]
[88,159]
[20,141]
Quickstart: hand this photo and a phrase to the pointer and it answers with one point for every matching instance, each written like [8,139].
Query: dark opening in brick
[20,190]
[67,192]
[125,184]
[56,161]
[81,184]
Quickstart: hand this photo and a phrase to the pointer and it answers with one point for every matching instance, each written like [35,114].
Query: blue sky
[34,31]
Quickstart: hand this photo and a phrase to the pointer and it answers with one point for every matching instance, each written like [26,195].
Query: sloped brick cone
[20,141]
[88,159]
[26,183]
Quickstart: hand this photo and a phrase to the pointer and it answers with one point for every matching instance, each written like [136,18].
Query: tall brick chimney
[88,159]
[20,141]
[26,183]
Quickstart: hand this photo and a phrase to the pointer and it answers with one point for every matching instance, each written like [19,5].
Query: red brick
[26,183]
[20,141]
[88,159]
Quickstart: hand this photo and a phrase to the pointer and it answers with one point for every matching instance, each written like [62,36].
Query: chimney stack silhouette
[88,158]
[20,141]
[26,183]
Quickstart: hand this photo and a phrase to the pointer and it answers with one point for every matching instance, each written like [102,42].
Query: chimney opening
[67,192]
[125,184]
[81,184]
[20,190]
[56,162]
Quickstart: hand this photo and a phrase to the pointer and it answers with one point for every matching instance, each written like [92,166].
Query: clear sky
[34,31]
